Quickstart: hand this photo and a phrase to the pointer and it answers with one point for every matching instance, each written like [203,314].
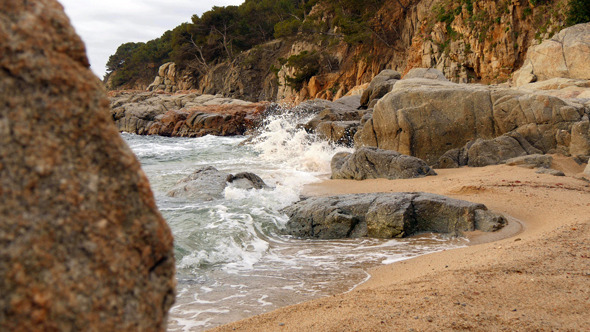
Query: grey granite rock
[373,163]
[386,215]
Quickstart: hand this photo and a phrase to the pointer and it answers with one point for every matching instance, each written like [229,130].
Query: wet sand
[533,276]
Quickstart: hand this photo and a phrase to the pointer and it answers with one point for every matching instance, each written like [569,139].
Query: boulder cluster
[183,115]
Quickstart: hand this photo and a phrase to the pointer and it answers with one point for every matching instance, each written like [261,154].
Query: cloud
[106,24]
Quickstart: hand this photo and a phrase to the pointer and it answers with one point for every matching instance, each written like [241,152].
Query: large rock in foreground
[373,163]
[386,215]
[82,244]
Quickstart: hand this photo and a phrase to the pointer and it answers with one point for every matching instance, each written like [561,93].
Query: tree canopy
[217,35]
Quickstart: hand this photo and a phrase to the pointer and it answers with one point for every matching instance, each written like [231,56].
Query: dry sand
[535,276]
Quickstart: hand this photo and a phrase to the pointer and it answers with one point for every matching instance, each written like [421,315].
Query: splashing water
[232,260]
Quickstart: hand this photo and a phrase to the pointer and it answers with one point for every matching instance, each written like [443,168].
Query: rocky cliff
[82,244]
[468,41]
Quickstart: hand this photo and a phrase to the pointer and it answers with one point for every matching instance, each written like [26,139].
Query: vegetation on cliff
[340,44]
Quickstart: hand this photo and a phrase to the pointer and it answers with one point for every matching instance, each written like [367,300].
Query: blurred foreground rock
[82,244]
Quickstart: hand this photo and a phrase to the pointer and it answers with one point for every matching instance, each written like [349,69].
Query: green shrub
[306,65]
[287,28]
[578,12]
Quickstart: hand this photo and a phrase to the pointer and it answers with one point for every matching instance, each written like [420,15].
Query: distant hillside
[298,49]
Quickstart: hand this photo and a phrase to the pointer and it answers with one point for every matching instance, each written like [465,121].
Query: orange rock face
[82,244]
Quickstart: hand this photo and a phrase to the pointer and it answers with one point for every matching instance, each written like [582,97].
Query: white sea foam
[232,260]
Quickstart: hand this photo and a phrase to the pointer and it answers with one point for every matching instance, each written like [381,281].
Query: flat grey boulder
[374,163]
[531,161]
[208,183]
[549,171]
[386,215]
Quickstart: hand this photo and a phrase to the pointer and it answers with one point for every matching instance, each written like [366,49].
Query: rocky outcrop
[208,183]
[426,118]
[426,73]
[564,88]
[580,138]
[184,115]
[476,41]
[587,170]
[167,81]
[388,215]
[336,121]
[380,86]
[373,163]
[565,55]
[485,152]
[82,244]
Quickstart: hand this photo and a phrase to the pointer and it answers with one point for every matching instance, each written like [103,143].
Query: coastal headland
[84,247]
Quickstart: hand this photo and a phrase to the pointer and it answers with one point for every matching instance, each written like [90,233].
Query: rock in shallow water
[82,244]
[386,215]
[207,183]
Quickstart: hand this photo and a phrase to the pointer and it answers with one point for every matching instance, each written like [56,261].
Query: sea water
[233,260]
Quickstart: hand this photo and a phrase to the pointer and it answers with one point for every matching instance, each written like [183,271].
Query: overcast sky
[106,24]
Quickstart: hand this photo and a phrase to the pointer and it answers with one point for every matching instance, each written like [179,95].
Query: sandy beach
[532,276]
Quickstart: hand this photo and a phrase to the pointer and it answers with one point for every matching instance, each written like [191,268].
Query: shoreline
[533,278]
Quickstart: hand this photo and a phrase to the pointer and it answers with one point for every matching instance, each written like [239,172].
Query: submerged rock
[373,163]
[205,184]
[246,180]
[82,244]
[208,183]
[386,215]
